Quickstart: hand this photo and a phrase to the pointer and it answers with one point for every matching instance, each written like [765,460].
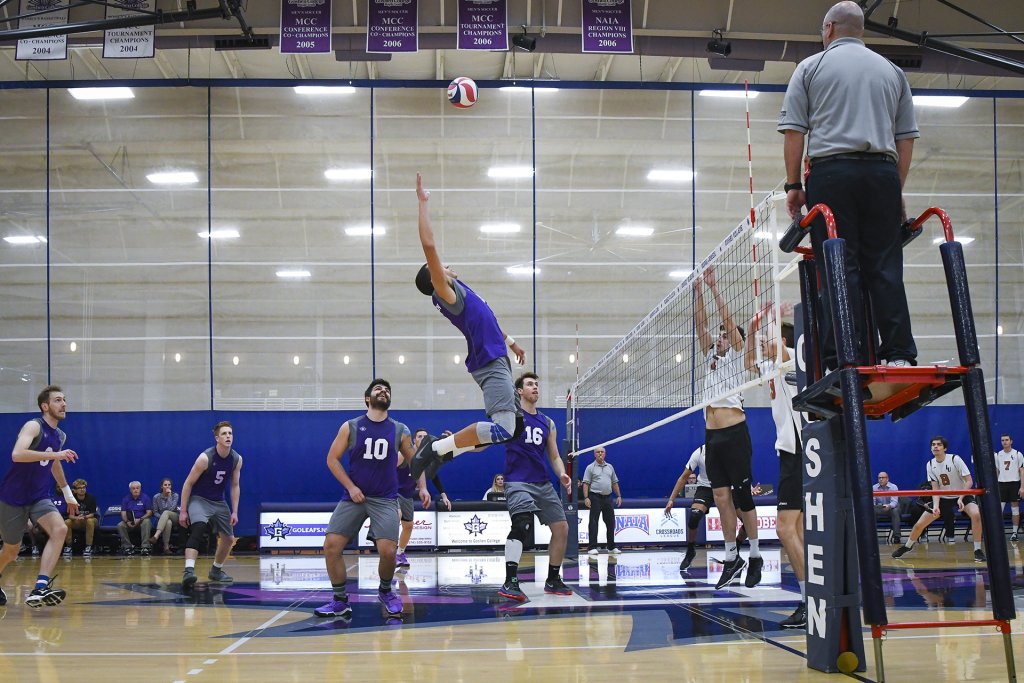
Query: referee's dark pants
[865,197]
[601,503]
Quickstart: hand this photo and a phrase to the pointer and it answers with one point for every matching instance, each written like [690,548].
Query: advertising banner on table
[608,26]
[305,26]
[637,526]
[391,26]
[424,531]
[767,516]
[472,527]
[50,47]
[293,529]
[483,25]
[129,43]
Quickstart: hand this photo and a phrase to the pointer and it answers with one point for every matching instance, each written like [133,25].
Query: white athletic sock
[190,564]
[910,543]
[977,545]
[401,550]
[803,589]
[218,565]
[754,552]
[513,550]
[445,445]
[730,551]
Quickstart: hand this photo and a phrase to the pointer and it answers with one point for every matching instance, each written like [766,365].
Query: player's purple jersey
[406,484]
[373,456]
[28,482]
[525,457]
[218,474]
[476,321]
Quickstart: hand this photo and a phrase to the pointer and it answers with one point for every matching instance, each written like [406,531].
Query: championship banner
[608,26]
[391,26]
[129,43]
[51,47]
[483,25]
[305,26]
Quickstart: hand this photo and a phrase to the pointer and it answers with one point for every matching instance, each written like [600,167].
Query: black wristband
[793,186]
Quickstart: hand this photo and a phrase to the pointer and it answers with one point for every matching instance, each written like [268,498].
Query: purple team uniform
[527,482]
[25,488]
[206,502]
[373,466]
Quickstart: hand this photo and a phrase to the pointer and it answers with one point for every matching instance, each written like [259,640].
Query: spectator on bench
[87,518]
[136,513]
[166,507]
[888,506]
[497,490]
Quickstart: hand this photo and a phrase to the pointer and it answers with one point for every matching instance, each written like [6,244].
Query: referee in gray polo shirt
[855,109]
[599,480]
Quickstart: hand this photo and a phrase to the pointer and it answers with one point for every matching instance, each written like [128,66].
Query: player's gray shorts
[13,518]
[495,379]
[538,498]
[407,508]
[348,517]
[214,512]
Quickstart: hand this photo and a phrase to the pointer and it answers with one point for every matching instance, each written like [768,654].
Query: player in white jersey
[947,471]
[790,523]
[1010,464]
[726,437]
[703,499]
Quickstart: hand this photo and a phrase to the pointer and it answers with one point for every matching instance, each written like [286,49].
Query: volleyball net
[693,349]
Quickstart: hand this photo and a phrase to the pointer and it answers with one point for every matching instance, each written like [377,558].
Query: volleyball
[462,92]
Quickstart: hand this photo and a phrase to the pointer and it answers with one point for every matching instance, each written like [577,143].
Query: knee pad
[504,427]
[196,534]
[693,521]
[522,529]
[742,498]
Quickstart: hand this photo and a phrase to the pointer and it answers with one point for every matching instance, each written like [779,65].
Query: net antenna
[660,371]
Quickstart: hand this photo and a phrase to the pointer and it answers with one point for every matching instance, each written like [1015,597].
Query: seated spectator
[166,507]
[497,490]
[888,506]
[136,513]
[692,479]
[87,518]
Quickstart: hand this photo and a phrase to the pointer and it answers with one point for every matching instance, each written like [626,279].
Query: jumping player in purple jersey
[528,492]
[373,444]
[25,494]
[486,357]
[203,506]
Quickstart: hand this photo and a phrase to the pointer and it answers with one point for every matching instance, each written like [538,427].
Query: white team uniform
[696,464]
[951,473]
[1009,464]
[723,375]
[787,422]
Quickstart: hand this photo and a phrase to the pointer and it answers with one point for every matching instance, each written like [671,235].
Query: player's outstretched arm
[735,338]
[700,317]
[680,483]
[438,277]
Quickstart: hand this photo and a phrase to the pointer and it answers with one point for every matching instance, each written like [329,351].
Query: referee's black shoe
[424,456]
[731,572]
[754,572]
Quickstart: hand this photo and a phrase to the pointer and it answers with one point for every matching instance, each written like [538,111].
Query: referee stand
[836,448]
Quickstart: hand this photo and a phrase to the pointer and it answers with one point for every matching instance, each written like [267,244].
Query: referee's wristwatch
[793,186]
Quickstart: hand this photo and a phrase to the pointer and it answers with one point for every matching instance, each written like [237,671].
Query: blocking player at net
[25,494]
[486,358]
[528,492]
[373,444]
[775,342]
[726,437]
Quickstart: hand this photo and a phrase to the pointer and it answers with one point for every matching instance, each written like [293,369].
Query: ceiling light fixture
[25,239]
[365,231]
[220,234]
[101,93]
[671,175]
[679,274]
[510,172]
[522,270]
[296,274]
[348,173]
[525,89]
[634,231]
[324,90]
[732,94]
[173,178]
[500,228]
[945,101]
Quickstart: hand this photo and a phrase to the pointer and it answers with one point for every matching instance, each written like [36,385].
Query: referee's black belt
[854,156]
